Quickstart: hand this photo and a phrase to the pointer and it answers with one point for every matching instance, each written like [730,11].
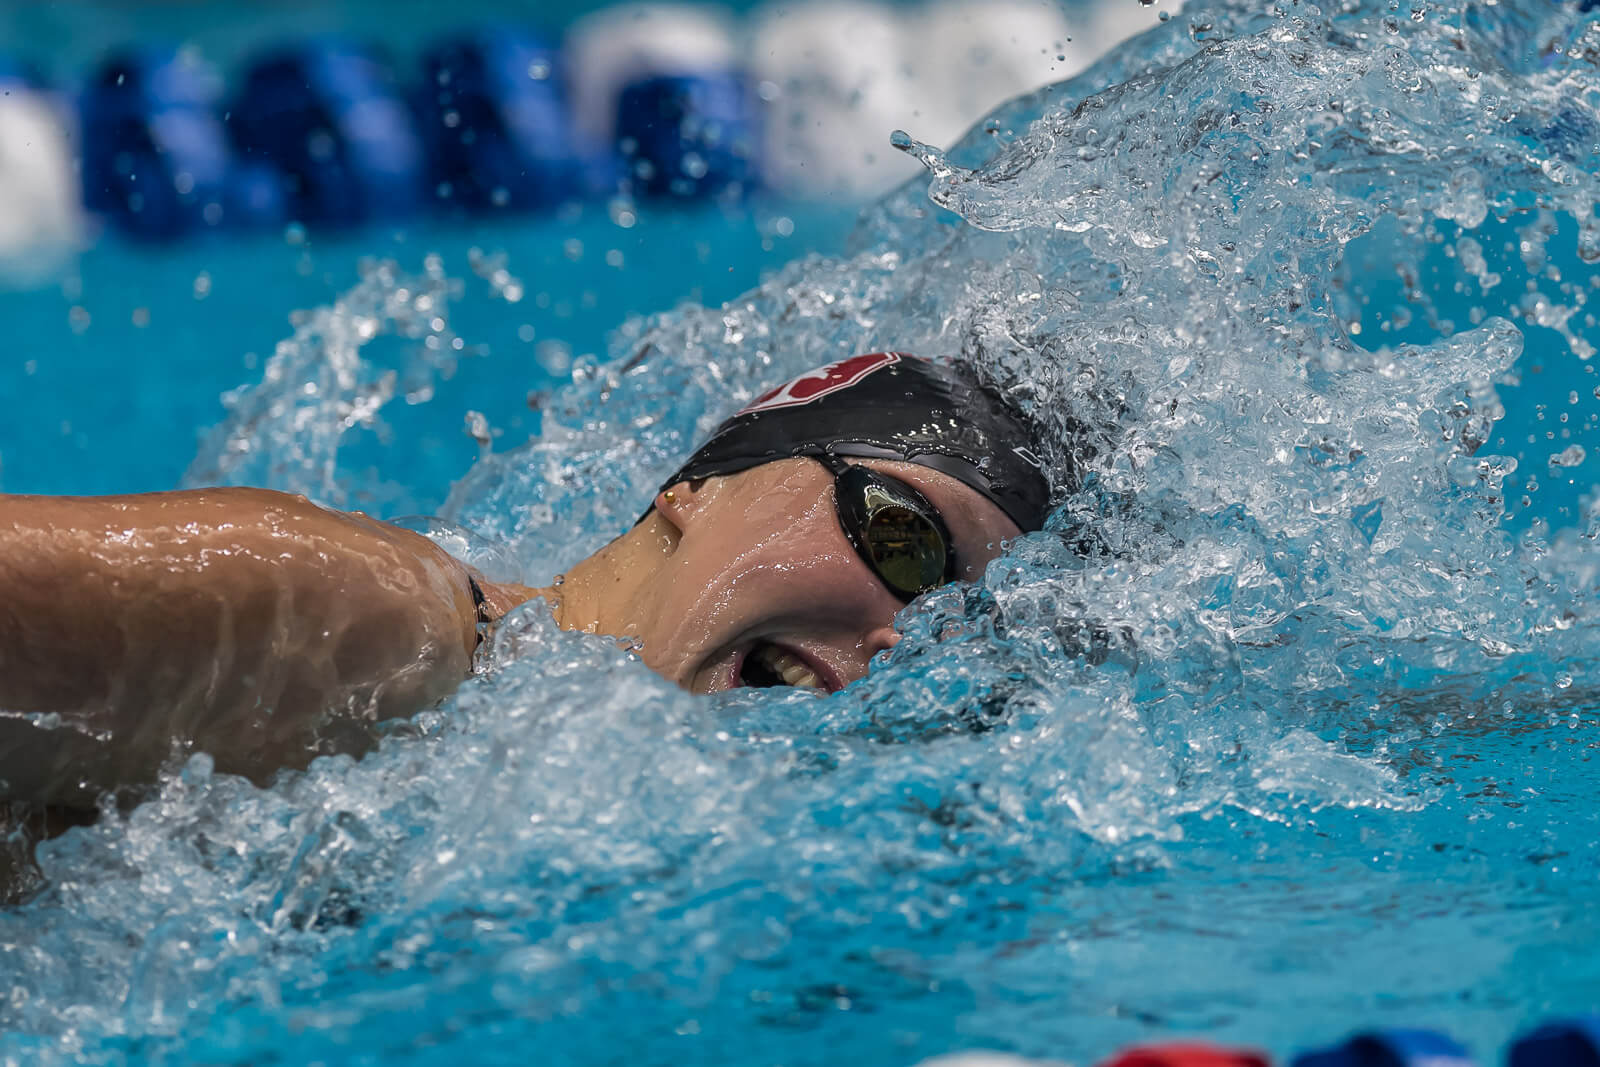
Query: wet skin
[265,630]
[249,624]
[729,564]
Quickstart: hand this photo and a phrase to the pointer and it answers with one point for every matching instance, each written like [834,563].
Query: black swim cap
[889,405]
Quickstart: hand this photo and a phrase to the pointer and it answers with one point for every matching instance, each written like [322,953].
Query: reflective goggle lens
[907,552]
[895,529]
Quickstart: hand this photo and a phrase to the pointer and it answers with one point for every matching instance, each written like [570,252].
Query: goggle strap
[835,464]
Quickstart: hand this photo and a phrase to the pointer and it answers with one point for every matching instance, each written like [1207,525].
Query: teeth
[791,670]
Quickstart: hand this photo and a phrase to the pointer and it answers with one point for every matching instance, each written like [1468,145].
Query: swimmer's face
[760,584]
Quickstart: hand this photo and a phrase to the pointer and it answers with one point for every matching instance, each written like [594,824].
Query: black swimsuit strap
[480,605]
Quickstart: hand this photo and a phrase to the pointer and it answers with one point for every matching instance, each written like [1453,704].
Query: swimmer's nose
[881,640]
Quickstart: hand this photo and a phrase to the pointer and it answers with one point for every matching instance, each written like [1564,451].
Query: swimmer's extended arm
[248,624]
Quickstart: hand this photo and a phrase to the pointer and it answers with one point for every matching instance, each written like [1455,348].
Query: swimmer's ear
[675,503]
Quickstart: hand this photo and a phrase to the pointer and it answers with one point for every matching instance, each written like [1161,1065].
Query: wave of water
[1284,725]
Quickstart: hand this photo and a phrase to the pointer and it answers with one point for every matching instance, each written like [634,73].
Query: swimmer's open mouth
[767,665]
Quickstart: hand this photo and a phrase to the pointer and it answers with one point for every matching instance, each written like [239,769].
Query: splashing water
[1282,726]
[294,429]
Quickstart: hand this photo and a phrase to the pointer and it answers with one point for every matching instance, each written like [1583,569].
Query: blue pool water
[118,370]
[1284,726]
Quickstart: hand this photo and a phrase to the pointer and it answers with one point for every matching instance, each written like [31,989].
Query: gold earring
[670,496]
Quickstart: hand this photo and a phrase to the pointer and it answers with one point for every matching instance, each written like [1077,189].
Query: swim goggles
[892,527]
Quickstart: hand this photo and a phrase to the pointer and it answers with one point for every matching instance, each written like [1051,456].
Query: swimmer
[264,630]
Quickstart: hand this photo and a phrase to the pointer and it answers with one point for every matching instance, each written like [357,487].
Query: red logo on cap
[816,384]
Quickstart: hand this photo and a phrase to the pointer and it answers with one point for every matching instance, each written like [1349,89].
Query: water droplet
[1570,456]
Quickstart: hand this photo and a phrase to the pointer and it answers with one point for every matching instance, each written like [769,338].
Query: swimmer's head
[782,550]
[889,405]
